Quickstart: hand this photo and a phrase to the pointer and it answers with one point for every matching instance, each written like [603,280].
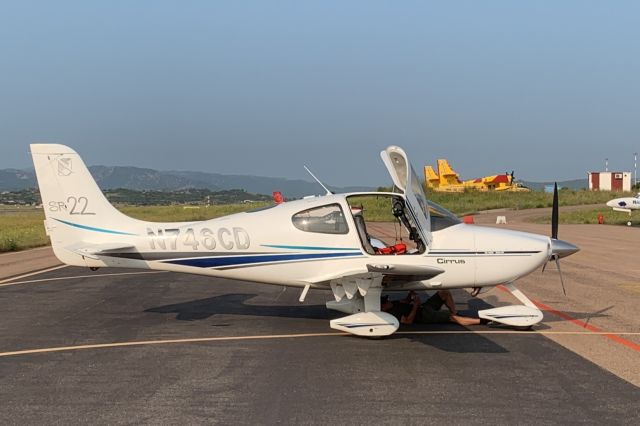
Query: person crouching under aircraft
[410,310]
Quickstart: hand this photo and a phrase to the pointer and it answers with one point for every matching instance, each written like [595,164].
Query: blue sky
[546,88]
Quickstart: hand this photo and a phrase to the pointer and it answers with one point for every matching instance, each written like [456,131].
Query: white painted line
[77,277]
[31,274]
[281,336]
[164,342]
[544,333]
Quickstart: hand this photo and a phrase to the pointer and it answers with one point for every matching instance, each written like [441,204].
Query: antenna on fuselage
[318,180]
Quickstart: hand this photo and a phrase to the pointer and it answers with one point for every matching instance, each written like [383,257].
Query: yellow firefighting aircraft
[447,180]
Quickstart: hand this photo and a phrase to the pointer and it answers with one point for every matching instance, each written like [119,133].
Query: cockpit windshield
[418,191]
[441,218]
[438,216]
[406,180]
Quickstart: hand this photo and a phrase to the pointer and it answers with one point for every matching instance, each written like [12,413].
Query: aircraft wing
[619,209]
[388,271]
[405,272]
[94,250]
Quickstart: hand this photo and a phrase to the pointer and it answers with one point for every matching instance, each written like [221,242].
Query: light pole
[635,168]
[606,164]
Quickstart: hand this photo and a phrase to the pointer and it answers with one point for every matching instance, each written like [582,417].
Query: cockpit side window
[327,219]
[384,225]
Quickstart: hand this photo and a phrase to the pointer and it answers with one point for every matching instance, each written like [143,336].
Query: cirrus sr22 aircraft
[626,205]
[318,242]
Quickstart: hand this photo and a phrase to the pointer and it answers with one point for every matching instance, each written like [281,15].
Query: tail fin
[77,212]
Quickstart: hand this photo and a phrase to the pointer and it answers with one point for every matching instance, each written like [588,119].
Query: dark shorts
[430,313]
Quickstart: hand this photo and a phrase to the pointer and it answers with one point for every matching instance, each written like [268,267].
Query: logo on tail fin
[64,166]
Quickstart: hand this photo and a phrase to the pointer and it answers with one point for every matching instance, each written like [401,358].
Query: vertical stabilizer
[76,210]
[431,177]
[448,176]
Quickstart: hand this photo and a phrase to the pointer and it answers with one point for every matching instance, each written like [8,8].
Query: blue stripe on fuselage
[308,247]
[212,262]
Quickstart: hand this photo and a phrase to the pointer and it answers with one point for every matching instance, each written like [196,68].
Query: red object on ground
[277,197]
[468,219]
[600,218]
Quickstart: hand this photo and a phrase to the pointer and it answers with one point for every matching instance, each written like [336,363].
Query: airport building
[610,181]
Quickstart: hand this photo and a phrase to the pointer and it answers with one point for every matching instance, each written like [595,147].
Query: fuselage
[625,203]
[266,246]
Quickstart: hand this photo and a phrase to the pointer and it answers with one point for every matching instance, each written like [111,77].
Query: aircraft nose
[612,203]
[562,248]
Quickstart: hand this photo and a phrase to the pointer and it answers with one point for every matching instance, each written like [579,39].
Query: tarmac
[127,346]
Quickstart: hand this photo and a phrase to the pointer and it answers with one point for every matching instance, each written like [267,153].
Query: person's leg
[435,302]
[464,320]
[427,315]
[447,298]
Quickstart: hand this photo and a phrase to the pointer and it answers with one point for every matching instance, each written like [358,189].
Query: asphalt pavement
[158,348]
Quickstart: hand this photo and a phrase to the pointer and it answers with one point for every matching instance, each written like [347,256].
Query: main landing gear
[360,297]
[520,316]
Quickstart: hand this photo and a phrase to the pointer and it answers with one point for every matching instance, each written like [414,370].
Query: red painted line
[582,324]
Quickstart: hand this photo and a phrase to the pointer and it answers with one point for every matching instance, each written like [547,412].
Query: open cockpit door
[406,180]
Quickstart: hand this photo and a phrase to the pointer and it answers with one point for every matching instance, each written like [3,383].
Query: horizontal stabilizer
[94,250]
[416,273]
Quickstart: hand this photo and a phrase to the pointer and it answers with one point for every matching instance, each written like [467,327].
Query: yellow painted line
[31,274]
[81,276]
[165,342]
[631,287]
[282,336]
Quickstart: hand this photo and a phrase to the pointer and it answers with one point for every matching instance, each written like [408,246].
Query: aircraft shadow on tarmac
[467,343]
[586,317]
[476,304]
[235,304]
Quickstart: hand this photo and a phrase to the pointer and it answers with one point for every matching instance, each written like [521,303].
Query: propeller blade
[554,213]
[560,272]
[558,248]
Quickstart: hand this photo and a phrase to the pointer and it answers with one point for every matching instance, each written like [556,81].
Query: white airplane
[626,205]
[319,242]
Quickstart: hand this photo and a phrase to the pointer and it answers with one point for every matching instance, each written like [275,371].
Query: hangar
[610,181]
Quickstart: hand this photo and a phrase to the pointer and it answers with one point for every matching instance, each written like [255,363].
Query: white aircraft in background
[318,242]
[626,205]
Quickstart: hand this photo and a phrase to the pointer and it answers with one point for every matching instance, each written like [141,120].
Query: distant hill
[141,179]
[16,180]
[261,184]
[137,178]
